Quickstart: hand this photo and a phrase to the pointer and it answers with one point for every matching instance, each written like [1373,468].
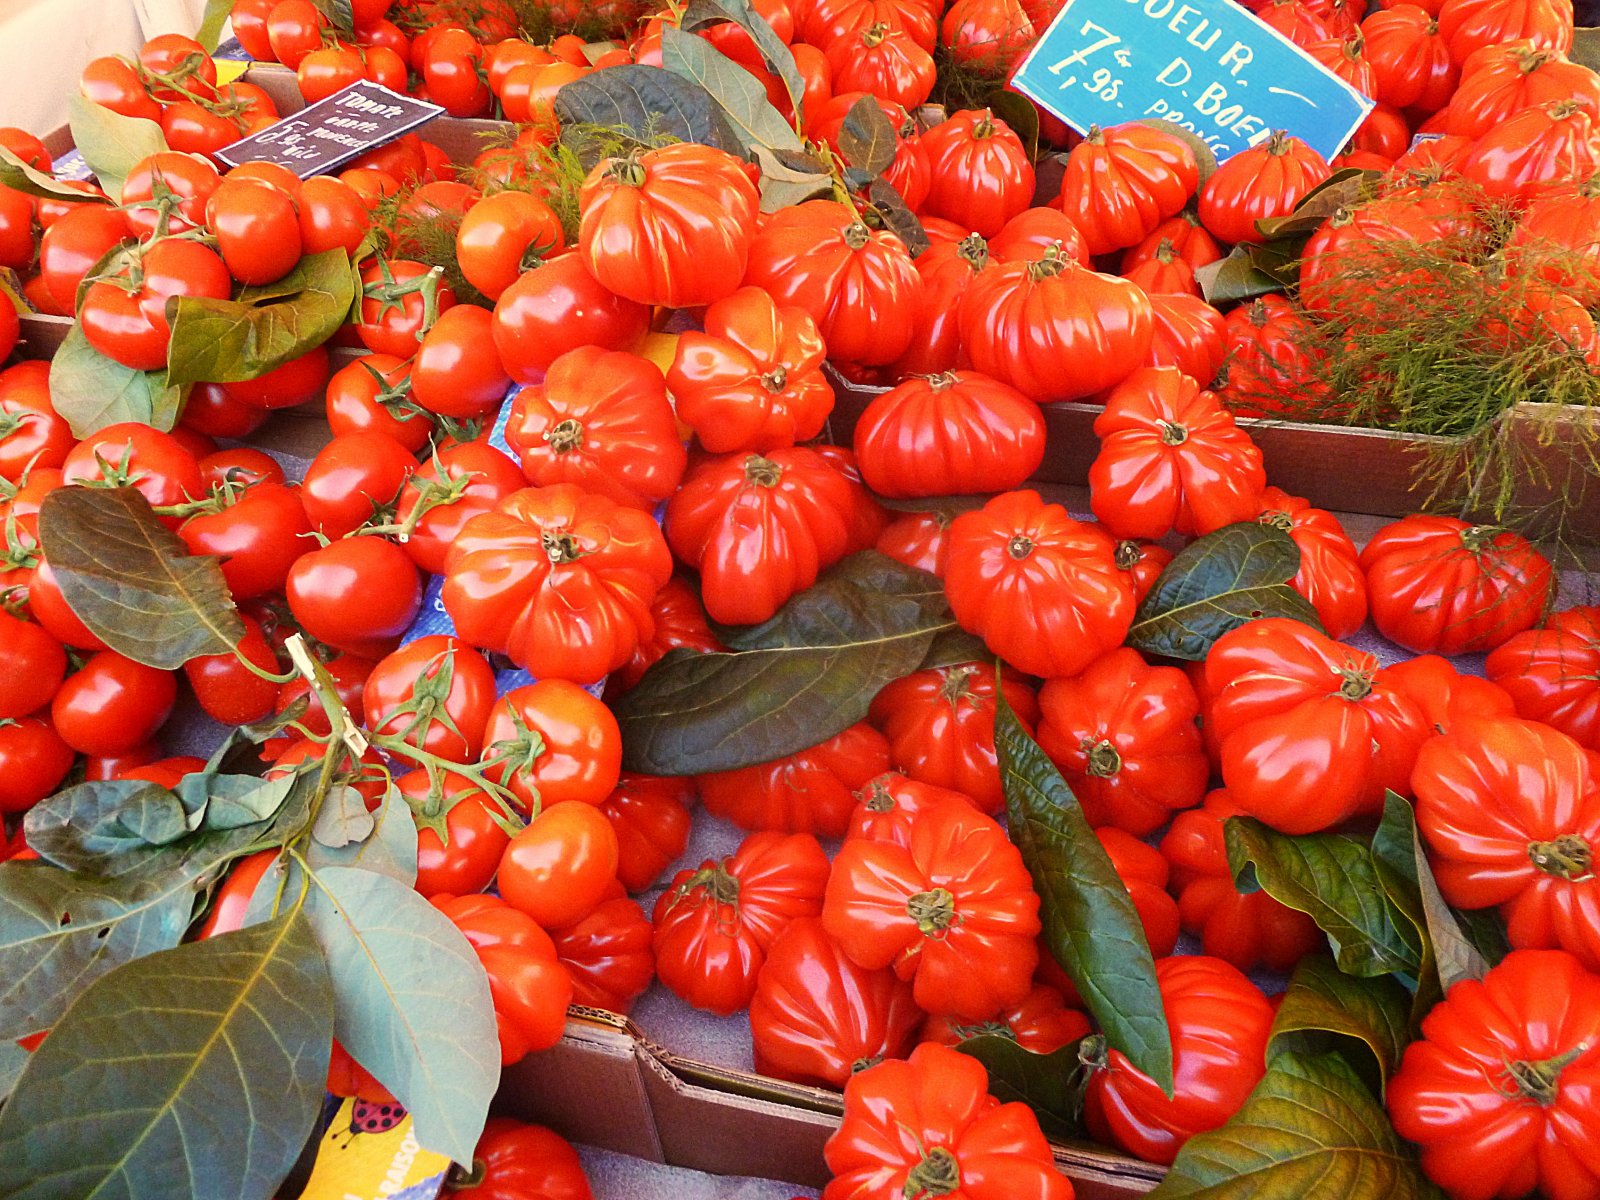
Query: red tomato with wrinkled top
[714,924]
[525,1162]
[651,817]
[1267,180]
[1440,585]
[1125,737]
[812,791]
[982,176]
[1041,1024]
[1121,183]
[608,954]
[1330,568]
[1219,1022]
[1553,673]
[680,623]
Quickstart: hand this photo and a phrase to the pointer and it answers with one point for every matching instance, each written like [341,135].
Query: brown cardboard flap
[589,1087]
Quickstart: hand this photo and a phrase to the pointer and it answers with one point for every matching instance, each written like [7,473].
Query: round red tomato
[74,244]
[229,692]
[400,299]
[257,230]
[561,866]
[128,322]
[456,372]
[352,479]
[468,861]
[503,235]
[433,693]
[33,762]
[356,594]
[33,437]
[112,704]
[455,485]
[559,307]
[184,183]
[36,663]
[258,537]
[550,742]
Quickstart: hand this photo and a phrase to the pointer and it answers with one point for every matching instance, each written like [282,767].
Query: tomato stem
[776,379]
[1104,761]
[857,235]
[1540,1080]
[934,911]
[1172,434]
[877,796]
[566,436]
[938,1174]
[761,472]
[1566,857]
[1020,546]
[957,684]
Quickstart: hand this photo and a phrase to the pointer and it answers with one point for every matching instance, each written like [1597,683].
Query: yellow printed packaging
[368,1153]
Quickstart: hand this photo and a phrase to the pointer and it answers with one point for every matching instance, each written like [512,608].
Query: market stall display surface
[605,550]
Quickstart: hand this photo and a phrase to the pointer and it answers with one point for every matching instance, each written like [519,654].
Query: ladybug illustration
[367,1117]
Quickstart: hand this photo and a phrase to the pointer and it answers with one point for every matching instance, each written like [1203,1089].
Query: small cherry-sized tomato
[456,372]
[35,664]
[33,762]
[469,860]
[433,693]
[551,742]
[112,704]
[356,594]
[561,866]
[112,82]
[353,477]
[229,691]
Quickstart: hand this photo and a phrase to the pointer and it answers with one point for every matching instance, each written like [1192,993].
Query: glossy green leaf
[646,104]
[1017,111]
[91,391]
[1323,1005]
[1235,278]
[1090,924]
[1050,1084]
[1343,189]
[866,139]
[61,930]
[413,1002]
[1217,583]
[111,143]
[778,57]
[1310,1129]
[741,95]
[230,341]
[132,581]
[339,12]
[198,1071]
[20,177]
[952,648]
[1331,878]
[89,826]
[788,683]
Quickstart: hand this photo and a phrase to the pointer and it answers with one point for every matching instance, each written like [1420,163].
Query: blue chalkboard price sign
[324,136]
[1209,66]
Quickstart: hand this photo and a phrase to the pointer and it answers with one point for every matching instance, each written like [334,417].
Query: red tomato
[357,594]
[1040,1024]
[559,307]
[529,986]
[134,455]
[911,1127]
[919,540]
[1553,673]
[1273,363]
[433,693]
[940,726]
[113,83]
[1506,1061]
[525,1162]
[1471,25]
[671,226]
[477,474]
[680,621]
[715,924]
[884,61]
[1247,931]
[600,420]
[49,607]
[816,1018]
[230,692]
[231,901]
[954,911]
[959,432]
[349,674]
[258,537]
[752,380]
[257,230]
[456,372]
[503,235]
[1446,696]
[128,322]
[210,410]
[400,299]
[1500,81]
[1041,589]
[370,394]
[551,742]
[608,955]
[1267,180]
[651,817]
[332,216]
[112,704]
[561,866]
[298,381]
[33,762]
[809,792]
[36,663]
[185,184]
[1534,149]
[1219,1022]
[351,479]
[856,284]
[1122,183]
[910,173]
[759,528]
[32,436]
[1126,739]
[1437,584]
[475,842]
[1330,568]
[1311,731]
[981,174]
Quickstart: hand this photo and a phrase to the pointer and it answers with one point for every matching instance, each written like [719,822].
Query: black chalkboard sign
[324,136]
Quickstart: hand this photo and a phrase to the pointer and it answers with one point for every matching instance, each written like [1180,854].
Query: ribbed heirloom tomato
[1311,731]
[889,806]
[809,792]
[1171,458]
[1330,568]
[514,1161]
[1041,1023]
[1219,1022]
[753,379]
[671,226]
[927,1126]
[1121,183]
[1041,589]
[945,270]
[816,1017]
[558,579]
[1499,1089]
[680,622]
[1553,673]
[954,911]
[1125,737]
[1264,181]
[982,176]
[607,953]
[1144,876]
[715,924]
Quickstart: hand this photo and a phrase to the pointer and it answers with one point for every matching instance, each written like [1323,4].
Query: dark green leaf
[791,177]
[12,1059]
[413,1002]
[1217,583]
[211,22]
[896,217]
[1280,259]
[646,103]
[1308,1130]
[1331,878]
[88,826]
[229,341]
[1090,924]
[1235,278]
[198,1071]
[945,506]
[791,682]
[771,47]
[866,139]
[1322,1000]
[1342,189]
[339,13]
[952,648]
[234,801]
[91,391]
[740,94]
[132,581]
[111,143]
[1586,47]
[1017,111]
[20,177]
[1409,884]
[1203,154]
[1050,1084]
